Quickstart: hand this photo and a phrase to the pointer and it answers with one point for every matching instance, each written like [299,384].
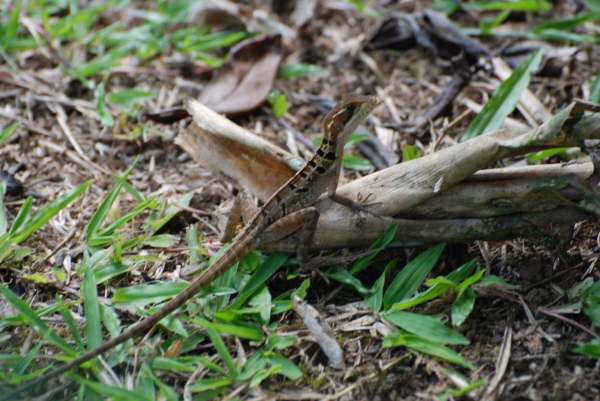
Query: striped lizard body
[319,175]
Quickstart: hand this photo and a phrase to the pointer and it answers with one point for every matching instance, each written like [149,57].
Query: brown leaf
[245,84]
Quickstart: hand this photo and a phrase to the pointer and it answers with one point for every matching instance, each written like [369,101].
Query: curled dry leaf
[248,79]
[223,146]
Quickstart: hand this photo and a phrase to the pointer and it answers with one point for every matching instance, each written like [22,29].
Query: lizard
[289,208]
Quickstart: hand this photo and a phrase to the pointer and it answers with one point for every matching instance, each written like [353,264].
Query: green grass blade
[436,290]
[49,211]
[112,227]
[379,244]
[7,132]
[412,276]
[91,69]
[102,211]
[425,346]
[345,277]
[37,323]
[12,27]
[299,70]
[425,326]
[129,97]
[89,293]
[286,367]
[593,5]
[141,295]
[22,217]
[222,350]
[67,316]
[112,392]
[238,329]
[504,100]
[595,90]
[566,24]
[26,360]
[266,270]
[517,5]
[590,349]
[462,307]
[375,300]
[3,216]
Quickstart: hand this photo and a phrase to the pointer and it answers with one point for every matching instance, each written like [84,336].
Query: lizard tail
[236,251]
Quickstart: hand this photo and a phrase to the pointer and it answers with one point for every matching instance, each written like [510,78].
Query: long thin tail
[236,252]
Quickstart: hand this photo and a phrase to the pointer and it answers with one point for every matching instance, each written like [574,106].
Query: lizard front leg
[303,222]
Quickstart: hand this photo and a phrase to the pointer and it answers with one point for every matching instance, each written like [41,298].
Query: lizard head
[343,120]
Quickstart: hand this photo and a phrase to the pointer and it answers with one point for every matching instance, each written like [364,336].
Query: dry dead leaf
[247,81]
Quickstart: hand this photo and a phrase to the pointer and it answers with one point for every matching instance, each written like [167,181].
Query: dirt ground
[61,144]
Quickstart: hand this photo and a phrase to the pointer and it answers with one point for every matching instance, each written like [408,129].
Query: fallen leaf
[248,79]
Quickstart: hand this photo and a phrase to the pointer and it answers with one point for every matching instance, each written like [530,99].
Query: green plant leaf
[103,114]
[100,215]
[266,270]
[49,211]
[238,329]
[67,316]
[425,346]
[142,295]
[22,217]
[129,97]
[194,43]
[161,241]
[285,366]
[93,331]
[410,152]
[518,5]
[591,303]
[504,100]
[491,279]
[3,217]
[375,247]
[7,132]
[32,318]
[595,90]
[545,154]
[558,35]
[222,350]
[204,386]
[566,24]
[12,28]
[359,4]
[356,163]
[113,392]
[344,276]
[427,327]
[590,349]
[446,7]
[37,278]
[299,70]
[487,25]
[462,307]
[438,289]
[175,365]
[460,392]
[593,5]
[112,227]
[412,276]
[375,300]
[278,103]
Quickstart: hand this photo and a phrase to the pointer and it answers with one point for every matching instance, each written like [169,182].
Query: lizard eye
[351,107]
